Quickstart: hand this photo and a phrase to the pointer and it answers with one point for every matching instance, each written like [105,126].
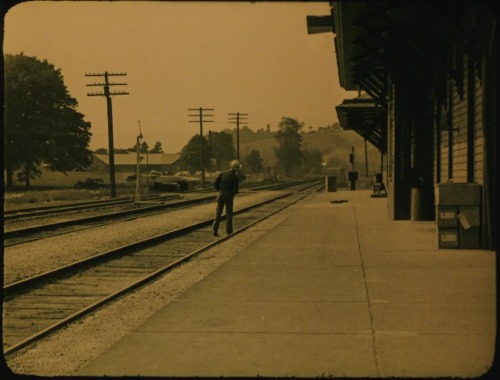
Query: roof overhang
[319,24]
[366,117]
[375,38]
[344,17]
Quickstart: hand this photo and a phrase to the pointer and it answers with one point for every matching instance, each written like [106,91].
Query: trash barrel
[331,183]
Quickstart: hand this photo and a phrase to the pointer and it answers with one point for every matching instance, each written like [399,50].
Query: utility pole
[107,93]
[366,160]
[238,118]
[138,171]
[200,120]
[353,175]
[351,158]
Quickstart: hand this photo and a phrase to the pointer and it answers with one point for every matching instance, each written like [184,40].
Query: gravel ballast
[32,258]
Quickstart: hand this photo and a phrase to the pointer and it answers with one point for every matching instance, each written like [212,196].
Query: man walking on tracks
[227,184]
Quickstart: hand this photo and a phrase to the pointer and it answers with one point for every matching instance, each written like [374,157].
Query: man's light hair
[235,164]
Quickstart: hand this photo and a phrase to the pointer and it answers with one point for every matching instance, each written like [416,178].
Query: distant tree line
[144,148]
[218,150]
[248,135]
[43,127]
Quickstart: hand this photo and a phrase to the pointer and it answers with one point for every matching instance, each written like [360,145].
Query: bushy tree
[143,148]
[223,149]
[253,162]
[289,151]
[313,159]
[41,123]
[191,154]
[157,148]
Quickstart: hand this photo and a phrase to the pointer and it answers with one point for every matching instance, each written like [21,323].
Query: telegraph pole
[200,120]
[138,171]
[366,160]
[351,158]
[238,118]
[353,175]
[107,93]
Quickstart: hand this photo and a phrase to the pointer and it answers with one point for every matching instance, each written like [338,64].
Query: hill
[334,144]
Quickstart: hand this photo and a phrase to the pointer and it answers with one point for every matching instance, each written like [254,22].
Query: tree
[144,147]
[262,133]
[253,161]
[157,148]
[223,149]
[191,154]
[101,151]
[41,124]
[313,159]
[289,153]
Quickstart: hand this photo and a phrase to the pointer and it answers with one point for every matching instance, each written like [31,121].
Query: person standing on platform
[226,184]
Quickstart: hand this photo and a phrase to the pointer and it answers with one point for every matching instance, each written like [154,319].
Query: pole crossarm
[200,115]
[235,117]
[108,84]
[104,74]
[111,93]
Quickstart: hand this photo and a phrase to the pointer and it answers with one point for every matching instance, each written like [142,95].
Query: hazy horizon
[253,58]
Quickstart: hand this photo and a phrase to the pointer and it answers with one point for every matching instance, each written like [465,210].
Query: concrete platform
[334,290]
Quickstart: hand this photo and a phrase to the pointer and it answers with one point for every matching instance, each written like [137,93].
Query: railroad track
[41,231]
[26,213]
[37,306]
[24,235]
[44,211]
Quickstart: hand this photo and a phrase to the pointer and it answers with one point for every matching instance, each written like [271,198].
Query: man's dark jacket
[227,183]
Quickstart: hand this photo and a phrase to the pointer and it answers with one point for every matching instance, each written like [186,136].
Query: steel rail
[33,212]
[90,219]
[22,232]
[20,286]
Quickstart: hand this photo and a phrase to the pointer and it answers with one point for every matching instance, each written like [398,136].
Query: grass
[53,187]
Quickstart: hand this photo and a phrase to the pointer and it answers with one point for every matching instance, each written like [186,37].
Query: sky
[247,57]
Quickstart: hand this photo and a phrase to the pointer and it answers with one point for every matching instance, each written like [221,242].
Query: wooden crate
[457,194]
[470,239]
[447,216]
[472,214]
[448,237]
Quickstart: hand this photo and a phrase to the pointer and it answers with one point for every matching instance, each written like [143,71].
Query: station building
[127,162]
[427,79]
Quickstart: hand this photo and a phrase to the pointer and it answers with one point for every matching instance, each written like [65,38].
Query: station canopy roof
[366,117]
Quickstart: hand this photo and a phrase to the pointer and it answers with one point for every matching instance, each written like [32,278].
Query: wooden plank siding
[444,156]
[436,143]
[479,138]
[390,148]
[459,126]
